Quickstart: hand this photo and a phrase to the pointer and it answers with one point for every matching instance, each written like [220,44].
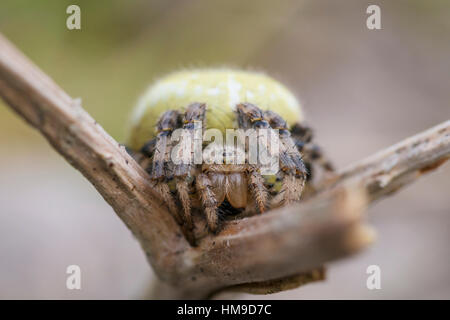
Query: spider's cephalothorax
[221,99]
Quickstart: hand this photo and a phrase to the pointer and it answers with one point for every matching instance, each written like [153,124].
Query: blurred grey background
[361,89]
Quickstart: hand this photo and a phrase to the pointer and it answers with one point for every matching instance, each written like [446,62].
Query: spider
[221,99]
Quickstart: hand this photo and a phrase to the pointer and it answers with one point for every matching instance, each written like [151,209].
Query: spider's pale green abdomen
[220,89]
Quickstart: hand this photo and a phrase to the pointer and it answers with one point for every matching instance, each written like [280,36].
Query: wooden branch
[281,243]
[87,147]
[327,226]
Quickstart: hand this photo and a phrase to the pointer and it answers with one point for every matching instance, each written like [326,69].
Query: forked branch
[328,226]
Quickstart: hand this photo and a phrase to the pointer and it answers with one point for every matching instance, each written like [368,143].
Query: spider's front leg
[208,199]
[257,188]
[251,117]
[193,120]
[158,150]
[292,165]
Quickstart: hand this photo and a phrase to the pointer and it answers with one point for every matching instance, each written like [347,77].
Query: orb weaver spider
[222,99]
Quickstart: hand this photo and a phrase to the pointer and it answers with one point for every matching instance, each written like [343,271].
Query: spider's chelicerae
[222,99]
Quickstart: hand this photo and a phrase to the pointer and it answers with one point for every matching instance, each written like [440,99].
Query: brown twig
[281,243]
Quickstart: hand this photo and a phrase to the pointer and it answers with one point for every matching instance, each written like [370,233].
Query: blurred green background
[124,45]
[362,90]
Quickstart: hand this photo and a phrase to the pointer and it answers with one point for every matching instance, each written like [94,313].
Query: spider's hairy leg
[160,172]
[292,165]
[194,116]
[168,122]
[144,155]
[289,149]
[312,153]
[257,188]
[149,148]
[208,199]
[250,116]
[142,159]
[293,183]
